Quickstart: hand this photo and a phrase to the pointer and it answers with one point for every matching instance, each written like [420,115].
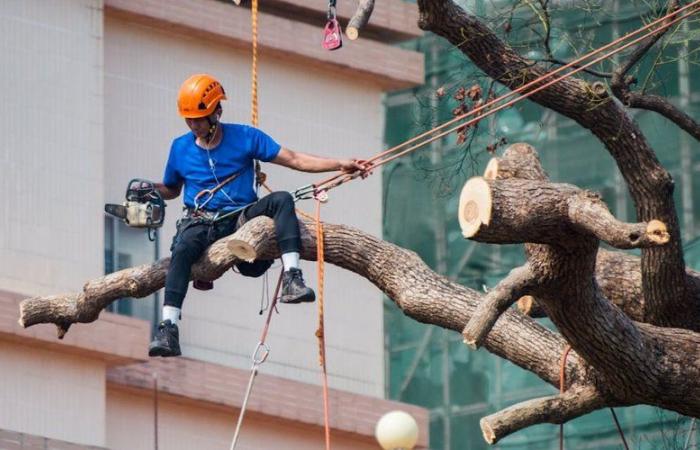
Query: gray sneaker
[293,288]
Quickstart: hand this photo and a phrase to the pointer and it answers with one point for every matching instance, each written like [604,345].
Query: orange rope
[320,332]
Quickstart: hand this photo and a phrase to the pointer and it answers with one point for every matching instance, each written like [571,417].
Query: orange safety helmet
[199,95]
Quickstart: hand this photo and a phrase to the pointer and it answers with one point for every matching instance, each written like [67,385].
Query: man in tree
[215,163]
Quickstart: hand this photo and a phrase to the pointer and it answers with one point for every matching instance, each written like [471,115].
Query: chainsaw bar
[116,210]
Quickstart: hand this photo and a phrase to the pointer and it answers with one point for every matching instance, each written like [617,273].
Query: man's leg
[280,207]
[188,246]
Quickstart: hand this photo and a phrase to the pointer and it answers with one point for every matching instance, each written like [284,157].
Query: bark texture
[359,19]
[668,300]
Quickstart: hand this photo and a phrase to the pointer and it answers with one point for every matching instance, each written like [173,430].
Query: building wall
[51,394]
[304,110]
[130,425]
[51,157]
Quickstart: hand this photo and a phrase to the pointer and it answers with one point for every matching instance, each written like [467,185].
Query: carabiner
[260,354]
[201,193]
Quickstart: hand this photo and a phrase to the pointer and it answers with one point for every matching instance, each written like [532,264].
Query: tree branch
[495,303]
[590,214]
[555,409]
[359,19]
[430,298]
[545,213]
[621,83]
[661,106]
[667,301]
[643,47]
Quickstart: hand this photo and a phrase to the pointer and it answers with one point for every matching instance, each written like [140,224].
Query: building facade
[90,104]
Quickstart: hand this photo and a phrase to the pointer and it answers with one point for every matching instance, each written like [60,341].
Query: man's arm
[168,193]
[310,163]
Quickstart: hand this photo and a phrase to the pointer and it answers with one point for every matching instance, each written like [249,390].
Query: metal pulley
[332,33]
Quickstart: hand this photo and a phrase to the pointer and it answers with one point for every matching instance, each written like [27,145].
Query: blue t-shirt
[199,169]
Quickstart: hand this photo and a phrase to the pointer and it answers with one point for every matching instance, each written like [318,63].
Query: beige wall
[303,109]
[130,425]
[52,394]
[51,157]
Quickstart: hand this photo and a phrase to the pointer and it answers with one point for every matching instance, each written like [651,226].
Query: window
[127,247]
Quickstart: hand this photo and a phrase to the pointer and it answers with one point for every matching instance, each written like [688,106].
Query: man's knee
[282,198]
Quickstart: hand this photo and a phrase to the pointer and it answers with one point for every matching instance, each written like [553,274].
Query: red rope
[562,388]
[340,178]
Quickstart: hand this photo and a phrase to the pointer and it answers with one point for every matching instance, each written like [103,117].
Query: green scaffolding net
[429,366]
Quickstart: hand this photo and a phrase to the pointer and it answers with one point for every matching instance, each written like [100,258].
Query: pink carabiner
[332,35]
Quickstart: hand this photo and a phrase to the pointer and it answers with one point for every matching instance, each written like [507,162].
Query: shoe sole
[161,351]
[295,301]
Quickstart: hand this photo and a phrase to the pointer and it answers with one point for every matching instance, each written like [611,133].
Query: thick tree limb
[565,271]
[555,409]
[545,213]
[663,270]
[495,303]
[618,274]
[359,19]
[430,298]
[401,274]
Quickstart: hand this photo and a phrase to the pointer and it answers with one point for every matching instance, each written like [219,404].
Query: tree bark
[666,295]
[430,298]
[359,19]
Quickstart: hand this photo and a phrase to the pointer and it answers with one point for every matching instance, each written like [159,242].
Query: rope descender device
[306,192]
[332,33]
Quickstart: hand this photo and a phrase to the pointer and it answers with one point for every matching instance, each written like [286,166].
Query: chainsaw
[144,207]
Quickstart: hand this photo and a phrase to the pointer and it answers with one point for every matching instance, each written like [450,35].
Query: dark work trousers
[195,235]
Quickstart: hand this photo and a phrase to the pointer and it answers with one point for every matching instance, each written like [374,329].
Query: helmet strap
[213,120]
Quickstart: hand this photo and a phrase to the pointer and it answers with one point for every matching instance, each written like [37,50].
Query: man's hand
[350,166]
[168,193]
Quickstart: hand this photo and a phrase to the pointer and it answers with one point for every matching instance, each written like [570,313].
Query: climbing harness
[144,207]
[525,91]
[258,357]
[332,33]
[562,389]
